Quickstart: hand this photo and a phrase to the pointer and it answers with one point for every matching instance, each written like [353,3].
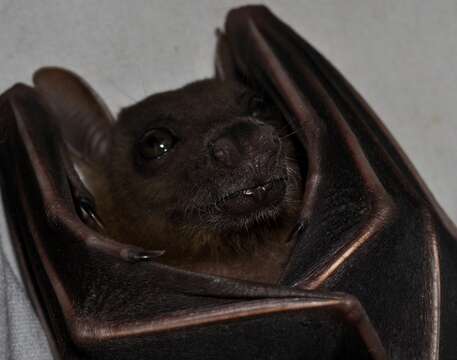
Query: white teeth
[250,192]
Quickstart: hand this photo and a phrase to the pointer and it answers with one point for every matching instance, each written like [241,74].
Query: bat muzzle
[253,199]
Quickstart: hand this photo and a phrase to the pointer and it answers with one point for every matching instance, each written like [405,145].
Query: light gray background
[401,56]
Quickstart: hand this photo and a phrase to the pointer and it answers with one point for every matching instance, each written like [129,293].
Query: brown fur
[137,206]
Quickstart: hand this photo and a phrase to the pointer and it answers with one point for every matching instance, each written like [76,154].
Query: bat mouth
[252,199]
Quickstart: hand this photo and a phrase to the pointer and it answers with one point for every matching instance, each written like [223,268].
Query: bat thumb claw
[298,230]
[86,211]
[137,255]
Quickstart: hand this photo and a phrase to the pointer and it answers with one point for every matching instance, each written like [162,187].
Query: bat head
[211,166]
[212,160]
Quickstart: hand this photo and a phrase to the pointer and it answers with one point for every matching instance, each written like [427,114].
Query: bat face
[206,168]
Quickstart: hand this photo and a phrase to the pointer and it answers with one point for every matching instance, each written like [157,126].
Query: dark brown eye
[257,106]
[156,143]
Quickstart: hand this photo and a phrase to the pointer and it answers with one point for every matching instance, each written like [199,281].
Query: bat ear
[225,68]
[84,119]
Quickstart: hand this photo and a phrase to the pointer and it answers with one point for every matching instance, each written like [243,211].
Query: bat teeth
[248,192]
[258,192]
[260,188]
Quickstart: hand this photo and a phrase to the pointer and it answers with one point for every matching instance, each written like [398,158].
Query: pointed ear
[84,119]
[224,63]
[228,69]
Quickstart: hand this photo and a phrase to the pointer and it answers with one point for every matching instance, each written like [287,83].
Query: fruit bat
[364,267]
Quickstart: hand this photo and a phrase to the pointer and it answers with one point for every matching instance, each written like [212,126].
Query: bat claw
[137,255]
[86,210]
[298,230]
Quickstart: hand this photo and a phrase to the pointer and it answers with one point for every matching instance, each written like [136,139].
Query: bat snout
[245,144]
[246,154]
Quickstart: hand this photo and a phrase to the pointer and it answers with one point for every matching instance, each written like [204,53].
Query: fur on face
[208,172]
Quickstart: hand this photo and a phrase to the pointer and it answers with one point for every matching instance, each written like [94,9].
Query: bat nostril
[220,154]
[224,152]
[245,142]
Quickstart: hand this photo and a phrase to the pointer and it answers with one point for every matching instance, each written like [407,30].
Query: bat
[371,269]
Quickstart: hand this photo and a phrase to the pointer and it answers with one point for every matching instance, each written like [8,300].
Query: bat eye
[156,143]
[257,106]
